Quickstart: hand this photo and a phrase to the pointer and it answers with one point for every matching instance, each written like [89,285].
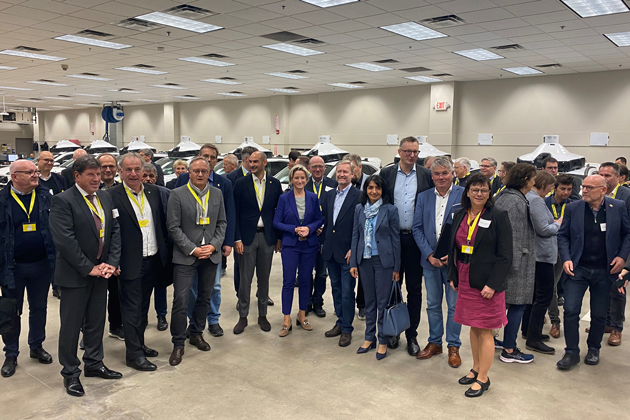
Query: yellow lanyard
[243,169]
[492,179]
[98,200]
[258,193]
[471,228]
[614,193]
[30,210]
[500,189]
[555,212]
[204,208]
[321,184]
[457,179]
[132,198]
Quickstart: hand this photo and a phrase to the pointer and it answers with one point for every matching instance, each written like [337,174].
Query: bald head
[595,180]
[257,163]
[593,190]
[78,153]
[45,163]
[24,175]
[316,167]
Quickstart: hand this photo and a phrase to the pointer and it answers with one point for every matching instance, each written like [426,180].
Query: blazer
[387,235]
[496,185]
[181,222]
[545,227]
[328,185]
[171,184]
[130,233]
[236,174]
[424,221]
[286,218]
[623,194]
[491,259]
[423,178]
[248,213]
[160,174]
[337,237]
[68,174]
[76,238]
[571,234]
[62,183]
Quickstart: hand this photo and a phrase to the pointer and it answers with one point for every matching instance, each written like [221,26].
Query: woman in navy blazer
[375,253]
[298,217]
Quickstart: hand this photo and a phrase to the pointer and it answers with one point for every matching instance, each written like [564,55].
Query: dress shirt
[405,196]
[149,240]
[440,209]
[260,184]
[96,206]
[340,197]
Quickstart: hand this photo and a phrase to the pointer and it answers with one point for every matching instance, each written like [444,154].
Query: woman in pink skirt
[478,263]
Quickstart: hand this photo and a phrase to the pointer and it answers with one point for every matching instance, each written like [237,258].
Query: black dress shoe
[465,380]
[473,393]
[592,357]
[57,293]
[540,347]
[8,367]
[215,330]
[264,324]
[118,333]
[345,339]
[270,302]
[141,364]
[319,311]
[162,324]
[412,347]
[102,372]
[149,352]
[568,361]
[393,342]
[42,356]
[73,387]
[334,332]
[198,341]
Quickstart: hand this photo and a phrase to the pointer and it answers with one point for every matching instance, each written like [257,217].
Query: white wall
[11,131]
[145,120]
[71,124]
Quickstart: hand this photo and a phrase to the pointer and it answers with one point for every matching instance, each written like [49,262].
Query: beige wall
[71,124]
[145,120]
[11,131]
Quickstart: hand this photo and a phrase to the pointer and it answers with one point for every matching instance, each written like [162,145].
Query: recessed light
[221,81]
[207,61]
[7,68]
[13,88]
[88,94]
[522,70]
[148,100]
[369,66]
[186,97]
[414,30]
[141,70]
[286,75]
[123,91]
[588,8]
[620,39]
[231,94]
[46,82]
[293,49]
[345,85]
[479,54]
[425,79]
[285,90]
[94,42]
[179,22]
[328,3]
[168,87]
[85,76]
[58,98]
[32,55]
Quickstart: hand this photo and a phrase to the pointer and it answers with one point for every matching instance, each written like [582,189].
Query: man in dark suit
[404,182]
[255,197]
[144,253]
[358,177]
[320,185]
[54,182]
[87,238]
[147,155]
[594,242]
[462,171]
[338,211]
[68,173]
[488,168]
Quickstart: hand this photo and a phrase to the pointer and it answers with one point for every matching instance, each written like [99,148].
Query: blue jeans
[342,285]
[437,286]
[159,301]
[510,332]
[599,283]
[215,300]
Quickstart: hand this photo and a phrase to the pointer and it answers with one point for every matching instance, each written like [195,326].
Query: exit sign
[441,106]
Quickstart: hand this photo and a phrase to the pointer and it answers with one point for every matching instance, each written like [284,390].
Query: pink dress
[471,309]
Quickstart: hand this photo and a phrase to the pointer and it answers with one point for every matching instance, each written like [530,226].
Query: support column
[171,123]
[442,123]
[280,107]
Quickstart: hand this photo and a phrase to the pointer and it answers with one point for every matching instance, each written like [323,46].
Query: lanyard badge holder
[27,227]
[202,220]
[141,222]
[468,248]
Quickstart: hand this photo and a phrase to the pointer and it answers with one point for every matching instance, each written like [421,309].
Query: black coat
[337,237]
[423,178]
[248,213]
[68,174]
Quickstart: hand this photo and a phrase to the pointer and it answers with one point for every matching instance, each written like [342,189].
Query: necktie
[99,226]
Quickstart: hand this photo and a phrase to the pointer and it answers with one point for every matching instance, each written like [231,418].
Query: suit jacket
[359,183]
[187,235]
[62,183]
[424,231]
[76,238]
[68,174]
[491,259]
[235,175]
[623,194]
[337,237]
[328,185]
[571,234]
[287,219]
[496,185]
[387,235]
[462,181]
[160,174]
[171,184]
[248,213]
[130,233]
[423,178]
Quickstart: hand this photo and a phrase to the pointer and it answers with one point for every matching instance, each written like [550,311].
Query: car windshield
[167,166]
[283,175]
[218,169]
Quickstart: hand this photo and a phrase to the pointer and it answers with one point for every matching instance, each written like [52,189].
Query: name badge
[29,227]
[204,220]
[467,249]
[483,223]
[102,233]
[327,188]
[115,213]
[602,226]
[143,223]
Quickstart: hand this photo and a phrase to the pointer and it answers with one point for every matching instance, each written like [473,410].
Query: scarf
[370,211]
[201,194]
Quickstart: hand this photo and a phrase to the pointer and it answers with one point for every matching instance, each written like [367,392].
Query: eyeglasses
[209,157]
[48,160]
[591,187]
[478,191]
[486,166]
[317,167]
[29,173]
[108,166]
[410,152]
[200,171]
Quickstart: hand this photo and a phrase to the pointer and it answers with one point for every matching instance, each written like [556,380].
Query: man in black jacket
[147,155]
[68,173]
[54,182]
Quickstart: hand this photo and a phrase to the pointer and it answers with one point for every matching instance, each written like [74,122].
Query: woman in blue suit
[375,253]
[298,217]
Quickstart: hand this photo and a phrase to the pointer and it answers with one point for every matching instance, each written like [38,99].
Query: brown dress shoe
[199,342]
[429,351]
[334,332]
[615,338]
[345,339]
[176,356]
[555,331]
[240,326]
[607,330]
[454,360]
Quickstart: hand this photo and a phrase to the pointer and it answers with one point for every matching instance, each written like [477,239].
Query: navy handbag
[396,319]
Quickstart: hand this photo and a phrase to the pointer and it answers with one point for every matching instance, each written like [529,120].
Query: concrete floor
[305,375]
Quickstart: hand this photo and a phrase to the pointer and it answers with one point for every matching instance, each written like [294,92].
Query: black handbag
[396,319]
[8,315]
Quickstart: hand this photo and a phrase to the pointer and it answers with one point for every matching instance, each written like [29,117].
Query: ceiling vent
[387,61]
[171,84]
[297,71]
[46,81]
[442,75]
[94,34]
[125,90]
[90,74]
[509,47]
[415,69]
[137,24]
[24,48]
[443,21]
[227,78]
[290,88]
[309,41]
[283,36]
[123,102]
[190,12]
[64,96]
[357,83]
[144,66]
[215,56]
[549,66]
[193,96]
[235,91]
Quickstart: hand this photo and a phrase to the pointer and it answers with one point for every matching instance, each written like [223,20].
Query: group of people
[495,245]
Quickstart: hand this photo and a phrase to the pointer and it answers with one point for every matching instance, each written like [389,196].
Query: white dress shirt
[440,209]
[260,184]
[149,240]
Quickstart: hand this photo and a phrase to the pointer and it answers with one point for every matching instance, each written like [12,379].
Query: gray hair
[231,158]
[147,152]
[148,167]
[463,162]
[197,159]
[354,158]
[345,161]
[442,161]
[131,155]
[492,161]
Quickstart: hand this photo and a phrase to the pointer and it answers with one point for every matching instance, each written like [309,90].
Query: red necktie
[99,226]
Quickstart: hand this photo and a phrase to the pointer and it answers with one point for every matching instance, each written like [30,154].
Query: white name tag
[328,188]
[602,226]
[483,223]
[115,213]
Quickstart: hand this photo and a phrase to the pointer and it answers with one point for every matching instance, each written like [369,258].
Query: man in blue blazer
[594,243]
[433,208]
[338,209]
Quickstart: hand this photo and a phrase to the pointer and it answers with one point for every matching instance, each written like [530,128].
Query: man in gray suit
[196,222]
[87,238]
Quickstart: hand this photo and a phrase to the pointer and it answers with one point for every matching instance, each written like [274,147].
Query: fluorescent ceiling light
[287,75]
[285,90]
[588,8]
[43,109]
[148,100]
[94,42]
[41,82]
[369,66]
[7,68]
[32,55]
[13,88]
[425,79]
[85,76]
[179,22]
[221,81]
[231,94]
[186,97]
[88,94]
[168,87]
[85,105]
[414,30]
[293,49]
[328,3]
[200,60]
[61,107]
[59,98]
[345,85]
[141,70]
[522,70]
[28,100]
[620,39]
[479,54]
[123,91]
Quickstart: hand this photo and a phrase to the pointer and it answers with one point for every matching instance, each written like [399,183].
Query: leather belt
[406,231]
[260,229]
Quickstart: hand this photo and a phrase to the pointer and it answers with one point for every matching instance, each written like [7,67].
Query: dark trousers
[377,285]
[35,279]
[510,332]
[617,309]
[411,274]
[237,273]
[318,281]
[300,257]
[360,294]
[342,285]
[258,257]
[159,301]
[598,282]
[114,314]
[135,299]
[182,281]
[554,312]
[223,262]
[82,307]
[534,316]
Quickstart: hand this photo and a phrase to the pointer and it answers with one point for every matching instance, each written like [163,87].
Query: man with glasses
[406,180]
[550,164]
[488,169]
[502,172]
[462,171]
[54,182]
[109,167]
[27,258]
[594,242]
